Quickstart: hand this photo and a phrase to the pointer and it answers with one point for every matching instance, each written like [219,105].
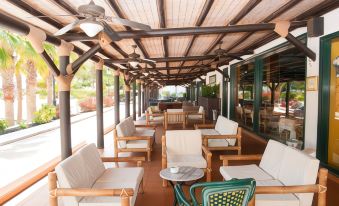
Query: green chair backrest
[235,192]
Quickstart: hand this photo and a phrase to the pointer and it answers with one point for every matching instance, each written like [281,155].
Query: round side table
[185,174]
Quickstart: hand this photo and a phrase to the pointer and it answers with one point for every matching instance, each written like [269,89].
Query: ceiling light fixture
[134,63]
[91,28]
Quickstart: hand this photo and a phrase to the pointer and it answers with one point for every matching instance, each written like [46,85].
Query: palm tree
[50,49]
[33,64]
[8,43]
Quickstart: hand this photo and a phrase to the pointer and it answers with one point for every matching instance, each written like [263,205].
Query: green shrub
[45,114]
[210,91]
[23,124]
[3,125]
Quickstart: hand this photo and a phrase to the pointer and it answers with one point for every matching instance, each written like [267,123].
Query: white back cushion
[227,127]
[124,129]
[298,168]
[92,160]
[182,142]
[72,173]
[271,159]
[201,110]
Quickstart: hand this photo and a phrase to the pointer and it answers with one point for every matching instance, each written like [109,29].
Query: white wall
[330,26]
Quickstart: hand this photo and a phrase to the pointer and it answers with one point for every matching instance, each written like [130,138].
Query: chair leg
[164,183]
[208,175]
[252,201]
[149,155]
[141,187]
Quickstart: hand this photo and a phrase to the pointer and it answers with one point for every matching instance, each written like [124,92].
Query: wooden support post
[139,97]
[99,105]
[65,109]
[116,97]
[287,99]
[127,100]
[143,88]
[134,101]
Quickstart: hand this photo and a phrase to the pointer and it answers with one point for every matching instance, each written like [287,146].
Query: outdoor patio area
[169,102]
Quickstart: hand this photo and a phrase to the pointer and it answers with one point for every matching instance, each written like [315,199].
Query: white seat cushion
[115,178]
[298,168]
[158,118]
[217,143]
[184,142]
[214,142]
[271,159]
[136,144]
[194,116]
[201,110]
[209,132]
[244,171]
[275,199]
[141,132]
[227,127]
[92,161]
[186,160]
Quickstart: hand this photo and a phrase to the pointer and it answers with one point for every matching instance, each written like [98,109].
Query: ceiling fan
[94,21]
[134,59]
[220,53]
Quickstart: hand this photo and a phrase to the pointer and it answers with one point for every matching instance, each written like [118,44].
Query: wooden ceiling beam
[184,31]
[178,59]
[161,12]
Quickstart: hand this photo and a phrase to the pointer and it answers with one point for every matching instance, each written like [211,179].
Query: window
[245,95]
[281,114]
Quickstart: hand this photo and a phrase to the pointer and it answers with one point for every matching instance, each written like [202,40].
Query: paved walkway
[21,157]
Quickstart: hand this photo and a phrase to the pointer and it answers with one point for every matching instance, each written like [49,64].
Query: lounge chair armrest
[206,151]
[83,192]
[134,138]
[316,188]
[220,136]
[203,126]
[145,126]
[155,114]
[123,159]
[226,158]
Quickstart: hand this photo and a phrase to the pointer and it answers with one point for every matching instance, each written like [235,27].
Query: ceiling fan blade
[110,32]
[235,57]
[129,23]
[149,60]
[42,16]
[220,61]
[69,27]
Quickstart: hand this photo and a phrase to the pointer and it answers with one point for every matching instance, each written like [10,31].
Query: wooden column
[127,100]
[99,104]
[64,84]
[116,97]
[139,97]
[143,97]
[134,101]
[287,98]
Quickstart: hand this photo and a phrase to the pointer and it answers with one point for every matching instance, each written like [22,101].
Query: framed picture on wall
[312,83]
[212,79]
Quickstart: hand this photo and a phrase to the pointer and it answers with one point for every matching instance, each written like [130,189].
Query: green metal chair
[235,192]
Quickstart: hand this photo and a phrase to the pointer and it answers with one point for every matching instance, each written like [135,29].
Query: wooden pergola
[182,41]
